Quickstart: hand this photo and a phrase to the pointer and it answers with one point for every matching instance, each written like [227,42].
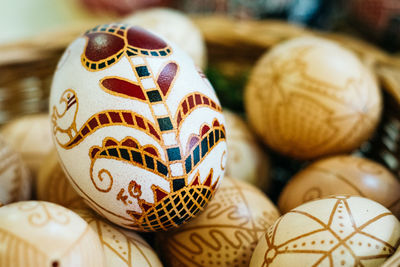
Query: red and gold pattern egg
[138,128]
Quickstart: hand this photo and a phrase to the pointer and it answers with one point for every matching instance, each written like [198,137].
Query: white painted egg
[138,129]
[121,248]
[38,233]
[15,178]
[335,231]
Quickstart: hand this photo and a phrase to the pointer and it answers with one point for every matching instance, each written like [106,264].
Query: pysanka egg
[310,97]
[38,233]
[138,129]
[335,231]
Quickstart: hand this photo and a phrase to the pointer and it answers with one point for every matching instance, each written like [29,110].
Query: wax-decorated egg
[348,175]
[121,249]
[226,233]
[138,129]
[30,136]
[335,231]
[52,184]
[309,97]
[15,178]
[174,26]
[246,160]
[38,233]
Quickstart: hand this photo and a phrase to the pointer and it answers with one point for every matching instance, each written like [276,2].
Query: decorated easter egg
[348,175]
[335,231]
[246,160]
[121,249]
[30,136]
[38,233]
[174,26]
[138,129]
[226,233]
[52,184]
[15,179]
[310,97]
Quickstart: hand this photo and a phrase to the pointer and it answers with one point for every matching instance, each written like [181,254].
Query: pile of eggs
[137,150]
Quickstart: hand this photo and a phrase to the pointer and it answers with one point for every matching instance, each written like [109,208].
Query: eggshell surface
[15,178]
[309,97]
[174,26]
[335,231]
[52,184]
[246,160]
[37,233]
[30,136]
[394,260]
[139,130]
[121,249]
[342,175]
[226,233]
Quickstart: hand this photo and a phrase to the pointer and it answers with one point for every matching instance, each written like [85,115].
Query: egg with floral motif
[138,128]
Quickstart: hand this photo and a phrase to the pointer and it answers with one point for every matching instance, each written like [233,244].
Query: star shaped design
[332,240]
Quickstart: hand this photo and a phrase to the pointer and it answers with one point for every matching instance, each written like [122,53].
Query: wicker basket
[26,69]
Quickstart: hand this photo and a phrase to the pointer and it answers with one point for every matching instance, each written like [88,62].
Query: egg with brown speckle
[349,175]
[226,233]
[310,97]
[335,231]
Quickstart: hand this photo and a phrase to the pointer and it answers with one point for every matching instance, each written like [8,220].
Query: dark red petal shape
[204,130]
[123,87]
[166,77]
[102,45]
[141,38]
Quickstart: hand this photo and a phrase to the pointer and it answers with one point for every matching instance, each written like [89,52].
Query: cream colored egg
[138,129]
[37,233]
[15,178]
[335,231]
[52,184]
[226,233]
[121,248]
[30,136]
[174,26]
[310,97]
[348,175]
[246,160]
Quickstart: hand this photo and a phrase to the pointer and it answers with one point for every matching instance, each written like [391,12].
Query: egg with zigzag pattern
[138,128]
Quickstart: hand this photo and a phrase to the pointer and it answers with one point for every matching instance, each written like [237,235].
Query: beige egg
[310,97]
[174,26]
[15,179]
[121,248]
[53,185]
[38,233]
[226,233]
[348,175]
[31,137]
[246,160]
[335,231]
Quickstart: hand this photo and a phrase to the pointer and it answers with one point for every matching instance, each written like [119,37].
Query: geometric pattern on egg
[335,231]
[310,97]
[139,130]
